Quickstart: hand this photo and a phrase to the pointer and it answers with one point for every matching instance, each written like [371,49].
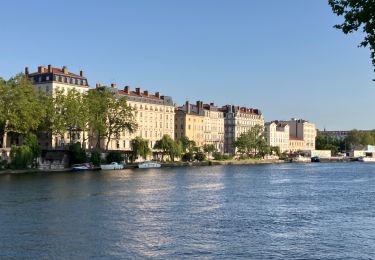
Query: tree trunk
[5,136]
[98,141]
[108,140]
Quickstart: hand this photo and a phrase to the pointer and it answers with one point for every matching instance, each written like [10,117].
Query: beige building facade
[213,126]
[154,115]
[238,120]
[189,122]
[303,130]
[277,134]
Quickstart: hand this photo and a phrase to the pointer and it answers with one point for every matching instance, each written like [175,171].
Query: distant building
[304,130]
[49,80]
[213,126]
[336,134]
[189,122]
[238,120]
[296,144]
[277,134]
[154,115]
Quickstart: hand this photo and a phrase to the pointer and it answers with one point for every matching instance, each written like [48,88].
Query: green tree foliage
[358,15]
[168,146]
[21,157]
[325,142]
[109,115]
[77,154]
[187,144]
[357,137]
[115,157]
[209,149]
[140,147]
[20,107]
[95,158]
[31,141]
[252,142]
[200,156]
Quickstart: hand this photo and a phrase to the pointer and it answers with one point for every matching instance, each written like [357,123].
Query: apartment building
[49,80]
[238,120]
[277,134]
[213,126]
[304,130]
[154,114]
[189,122]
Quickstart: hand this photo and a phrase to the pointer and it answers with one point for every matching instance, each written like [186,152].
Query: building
[190,121]
[238,120]
[213,126]
[154,115]
[296,144]
[300,129]
[277,134]
[49,80]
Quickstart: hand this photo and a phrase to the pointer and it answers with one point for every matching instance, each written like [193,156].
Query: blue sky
[283,57]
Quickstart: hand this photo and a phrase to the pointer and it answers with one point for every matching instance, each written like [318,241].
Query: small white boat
[146,165]
[366,159]
[112,166]
[84,167]
[302,159]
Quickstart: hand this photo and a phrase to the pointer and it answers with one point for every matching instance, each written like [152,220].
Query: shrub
[217,156]
[115,157]
[200,156]
[21,157]
[77,154]
[188,157]
[95,158]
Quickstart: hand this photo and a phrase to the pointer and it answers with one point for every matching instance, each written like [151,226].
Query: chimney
[98,85]
[27,70]
[157,94]
[40,69]
[187,107]
[146,93]
[113,85]
[81,73]
[65,69]
[127,89]
[49,68]
[138,91]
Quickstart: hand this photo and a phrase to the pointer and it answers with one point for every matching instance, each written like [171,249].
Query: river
[287,211]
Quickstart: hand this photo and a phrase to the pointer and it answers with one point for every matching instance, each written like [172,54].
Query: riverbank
[163,165]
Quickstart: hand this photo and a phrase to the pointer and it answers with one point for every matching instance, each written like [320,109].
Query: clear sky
[283,57]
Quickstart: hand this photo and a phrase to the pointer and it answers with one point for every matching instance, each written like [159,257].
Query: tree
[75,114]
[168,146]
[358,14]
[31,141]
[251,142]
[20,107]
[140,147]
[209,149]
[109,115]
[200,156]
[77,154]
[187,144]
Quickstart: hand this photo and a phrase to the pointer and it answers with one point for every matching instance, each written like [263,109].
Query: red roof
[57,71]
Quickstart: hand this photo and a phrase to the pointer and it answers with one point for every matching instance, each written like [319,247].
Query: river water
[288,211]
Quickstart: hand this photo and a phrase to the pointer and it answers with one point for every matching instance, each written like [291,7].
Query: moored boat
[146,165]
[84,167]
[302,159]
[366,159]
[315,159]
[112,166]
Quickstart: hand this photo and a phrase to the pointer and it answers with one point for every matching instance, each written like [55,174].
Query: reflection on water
[289,211]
